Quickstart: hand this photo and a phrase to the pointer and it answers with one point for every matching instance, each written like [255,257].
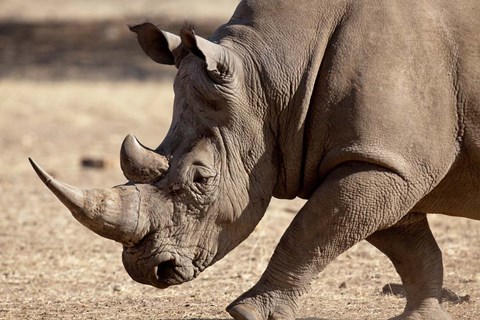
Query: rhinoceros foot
[243,312]
[432,312]
[269,305]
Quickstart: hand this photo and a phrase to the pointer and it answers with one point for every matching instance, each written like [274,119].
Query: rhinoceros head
[204,189]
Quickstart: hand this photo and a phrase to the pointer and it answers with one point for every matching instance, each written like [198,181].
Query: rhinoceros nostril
[165,269]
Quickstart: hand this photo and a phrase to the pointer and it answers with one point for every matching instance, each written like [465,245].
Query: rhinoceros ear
[157,44]
[213,54]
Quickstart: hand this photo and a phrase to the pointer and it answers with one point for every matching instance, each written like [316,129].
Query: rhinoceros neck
[287,42]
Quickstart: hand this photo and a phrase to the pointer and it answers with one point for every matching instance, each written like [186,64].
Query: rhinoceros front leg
[411,247]
[354,201]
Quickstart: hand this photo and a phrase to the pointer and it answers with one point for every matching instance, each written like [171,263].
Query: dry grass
[46,119]
[52,267]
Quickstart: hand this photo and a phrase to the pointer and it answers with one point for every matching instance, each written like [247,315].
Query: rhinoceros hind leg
[415,254]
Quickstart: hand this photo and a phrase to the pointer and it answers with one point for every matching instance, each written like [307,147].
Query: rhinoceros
[370,110]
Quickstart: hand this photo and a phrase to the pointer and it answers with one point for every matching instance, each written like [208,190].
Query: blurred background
[55,39]
[73,84]
[73,80]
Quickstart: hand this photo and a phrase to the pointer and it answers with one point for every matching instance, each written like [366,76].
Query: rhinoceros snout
[161,271]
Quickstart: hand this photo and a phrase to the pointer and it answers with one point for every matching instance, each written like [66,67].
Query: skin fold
[368,109]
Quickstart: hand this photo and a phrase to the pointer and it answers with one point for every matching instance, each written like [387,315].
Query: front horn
[113,214]
[140,164]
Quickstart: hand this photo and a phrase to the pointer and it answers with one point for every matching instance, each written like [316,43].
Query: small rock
[117,288]
[95,163]
[342,285]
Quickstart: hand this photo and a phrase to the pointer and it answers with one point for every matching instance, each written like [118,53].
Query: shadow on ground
[104,50]
[448,295]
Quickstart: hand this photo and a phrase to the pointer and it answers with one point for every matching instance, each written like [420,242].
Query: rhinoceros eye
[202,175]
[200,180]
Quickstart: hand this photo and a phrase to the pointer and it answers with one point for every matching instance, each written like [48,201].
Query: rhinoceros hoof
[243,312]
[247,312]
[262,307]
[434,314]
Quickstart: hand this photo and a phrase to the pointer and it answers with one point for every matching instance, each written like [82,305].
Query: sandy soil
[51,267]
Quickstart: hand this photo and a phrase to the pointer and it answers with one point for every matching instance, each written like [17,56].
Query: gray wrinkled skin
[368,109]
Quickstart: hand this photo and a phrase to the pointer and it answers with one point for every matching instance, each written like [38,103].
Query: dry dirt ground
[69,91]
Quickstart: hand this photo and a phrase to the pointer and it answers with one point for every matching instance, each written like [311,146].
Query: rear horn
[139,163]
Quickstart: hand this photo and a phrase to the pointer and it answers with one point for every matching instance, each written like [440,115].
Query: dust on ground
[65,95]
